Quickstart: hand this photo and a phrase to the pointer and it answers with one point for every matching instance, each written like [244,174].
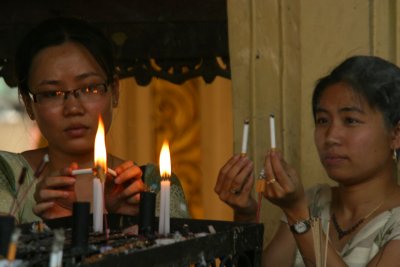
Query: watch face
[301,227]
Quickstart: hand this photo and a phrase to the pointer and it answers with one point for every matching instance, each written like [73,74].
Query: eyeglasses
[90,93]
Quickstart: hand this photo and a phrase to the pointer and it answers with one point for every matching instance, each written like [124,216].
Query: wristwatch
[300,227]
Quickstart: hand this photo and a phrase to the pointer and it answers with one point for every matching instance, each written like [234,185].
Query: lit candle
[97,205]
[165,172]
[100,159]
[245,137]
[272,130]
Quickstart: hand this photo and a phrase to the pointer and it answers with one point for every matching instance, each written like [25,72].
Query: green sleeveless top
[11,165]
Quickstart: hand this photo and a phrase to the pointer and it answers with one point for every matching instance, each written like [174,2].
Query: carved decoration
[177,120]
[174,40]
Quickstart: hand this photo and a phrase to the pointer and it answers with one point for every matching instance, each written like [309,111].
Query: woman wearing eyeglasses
[66,76]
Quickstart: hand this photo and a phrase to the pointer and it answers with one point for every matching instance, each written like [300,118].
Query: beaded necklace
[343,232]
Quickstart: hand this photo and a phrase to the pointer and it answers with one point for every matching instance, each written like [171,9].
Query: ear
[28,106]
[115,92]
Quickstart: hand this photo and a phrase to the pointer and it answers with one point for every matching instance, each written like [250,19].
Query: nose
[75,93]
[72,105]
[333,133]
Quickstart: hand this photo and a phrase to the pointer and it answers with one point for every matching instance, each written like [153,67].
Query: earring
[394,156]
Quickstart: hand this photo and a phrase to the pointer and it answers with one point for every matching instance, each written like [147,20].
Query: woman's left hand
[283,186]
[122,193]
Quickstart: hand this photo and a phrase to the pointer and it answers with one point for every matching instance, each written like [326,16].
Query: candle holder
[80,224]
[7,224]
[147,210]
[202,242]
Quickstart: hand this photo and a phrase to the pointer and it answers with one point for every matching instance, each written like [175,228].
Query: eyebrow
[341,110]
[88,74]
[78,78]
[48,82]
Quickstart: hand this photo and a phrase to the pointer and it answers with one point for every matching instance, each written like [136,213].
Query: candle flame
[100,154]
[165,161]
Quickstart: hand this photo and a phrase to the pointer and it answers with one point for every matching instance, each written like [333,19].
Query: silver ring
[271,181]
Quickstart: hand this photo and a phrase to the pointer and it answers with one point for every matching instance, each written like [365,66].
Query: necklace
[343,232]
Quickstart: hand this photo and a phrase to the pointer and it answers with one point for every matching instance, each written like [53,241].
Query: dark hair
[373,78]
[57,31]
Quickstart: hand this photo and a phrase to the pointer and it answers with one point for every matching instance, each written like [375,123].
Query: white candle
[57,249]
[245,136]
[167,207]
[272,130]
[112,172]
[90,171]
[165,173]
[100,160]
[163,225]
[82,171]
[98,200]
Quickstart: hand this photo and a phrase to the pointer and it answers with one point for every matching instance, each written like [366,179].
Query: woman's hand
[55,195]
[234,186]
[283,187]
[122,192]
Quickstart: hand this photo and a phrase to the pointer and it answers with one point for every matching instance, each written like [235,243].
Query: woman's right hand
[55,195]
[234,186]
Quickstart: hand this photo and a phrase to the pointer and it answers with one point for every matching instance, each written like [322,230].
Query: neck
[356,200]
[59,160]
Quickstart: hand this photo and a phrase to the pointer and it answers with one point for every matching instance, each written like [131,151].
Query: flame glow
[165,161]
[100,153]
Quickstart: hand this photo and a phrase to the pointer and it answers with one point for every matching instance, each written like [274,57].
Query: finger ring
[271,181]
[235,191]
[262,174]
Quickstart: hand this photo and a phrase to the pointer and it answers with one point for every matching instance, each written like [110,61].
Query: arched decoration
[175,71]
[174,40]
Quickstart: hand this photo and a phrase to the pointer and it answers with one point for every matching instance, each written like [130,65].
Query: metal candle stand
[227,244]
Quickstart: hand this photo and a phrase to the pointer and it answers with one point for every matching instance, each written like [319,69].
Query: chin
[79,148]
[344,180]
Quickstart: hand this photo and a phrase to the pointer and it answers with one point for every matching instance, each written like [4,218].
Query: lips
[76,130]
[334,159]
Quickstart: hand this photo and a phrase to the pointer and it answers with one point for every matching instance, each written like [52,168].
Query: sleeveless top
[11,165]
[369,239]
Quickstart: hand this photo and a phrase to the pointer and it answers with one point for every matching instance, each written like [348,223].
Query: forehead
[62,62]
[341,95]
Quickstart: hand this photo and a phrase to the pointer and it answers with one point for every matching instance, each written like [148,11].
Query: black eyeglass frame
[66,93]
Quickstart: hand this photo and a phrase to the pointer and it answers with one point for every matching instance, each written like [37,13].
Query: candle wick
[100,173]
